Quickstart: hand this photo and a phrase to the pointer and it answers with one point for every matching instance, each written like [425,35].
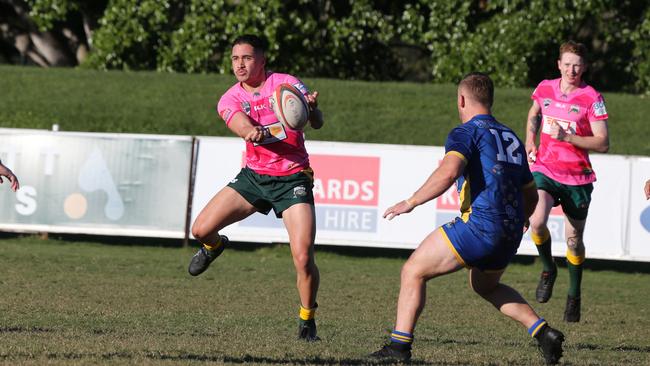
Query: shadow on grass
[25,330]
[623,348]
[191,357]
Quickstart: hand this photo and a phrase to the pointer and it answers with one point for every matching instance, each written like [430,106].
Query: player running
[277,174]
[498,194]
[573,120]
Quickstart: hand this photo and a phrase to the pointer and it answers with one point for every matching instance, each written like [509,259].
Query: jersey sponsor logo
[546,102]
[574,109]
[273,133]
[569,127]
[599,108]
[246,106]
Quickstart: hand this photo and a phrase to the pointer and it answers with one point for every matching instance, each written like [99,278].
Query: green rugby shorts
[573,199]
[267,192]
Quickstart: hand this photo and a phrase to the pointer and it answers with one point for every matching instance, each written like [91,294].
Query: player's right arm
[229,108]
[242,126]
[533,123]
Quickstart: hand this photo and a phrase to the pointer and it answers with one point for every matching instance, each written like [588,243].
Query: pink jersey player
[283,151]
[571,119]
[277,175]
[574,113]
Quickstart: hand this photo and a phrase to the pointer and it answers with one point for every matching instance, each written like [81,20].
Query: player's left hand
[312,100]
[557,132]
[398,209]
[315,115]
[647,190]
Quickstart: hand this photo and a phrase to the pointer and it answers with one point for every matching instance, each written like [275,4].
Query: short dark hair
[259,44]
[480,88]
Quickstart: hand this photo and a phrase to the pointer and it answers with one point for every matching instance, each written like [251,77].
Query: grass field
[79,303]
[148,102]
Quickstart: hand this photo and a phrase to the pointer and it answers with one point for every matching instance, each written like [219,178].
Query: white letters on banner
[355,183]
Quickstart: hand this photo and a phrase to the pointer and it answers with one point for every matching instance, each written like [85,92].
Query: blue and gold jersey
[496,170]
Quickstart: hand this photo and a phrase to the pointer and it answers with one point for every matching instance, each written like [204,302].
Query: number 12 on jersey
[507,138]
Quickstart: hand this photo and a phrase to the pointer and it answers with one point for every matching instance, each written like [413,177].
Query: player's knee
[303,262]
[200,231]
[575,244]
[410,271]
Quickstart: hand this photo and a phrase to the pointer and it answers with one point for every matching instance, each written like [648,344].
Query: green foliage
[641,53]
[45,13]
[200,36]
[516,41]
[131,34]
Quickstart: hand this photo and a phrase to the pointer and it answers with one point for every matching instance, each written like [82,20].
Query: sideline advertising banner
[639,216]
[355,183]
[107,184]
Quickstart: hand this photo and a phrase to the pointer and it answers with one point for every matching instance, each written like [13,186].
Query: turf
[79,303]
[182,104]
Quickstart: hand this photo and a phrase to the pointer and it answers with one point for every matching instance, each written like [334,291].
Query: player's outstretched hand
[312,100]
[6,172]
[315,115]
[647,190]
[398,209]
[256,134]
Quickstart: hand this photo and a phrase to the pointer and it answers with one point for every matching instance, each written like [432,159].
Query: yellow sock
[540,239]
[576,260]
[213,246]
[307,314]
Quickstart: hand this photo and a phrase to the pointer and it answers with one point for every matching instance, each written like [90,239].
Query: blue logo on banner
[645,219]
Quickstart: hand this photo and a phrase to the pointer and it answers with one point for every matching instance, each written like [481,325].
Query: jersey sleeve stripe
[456,153]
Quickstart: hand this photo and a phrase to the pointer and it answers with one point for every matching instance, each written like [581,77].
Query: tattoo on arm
[533,124]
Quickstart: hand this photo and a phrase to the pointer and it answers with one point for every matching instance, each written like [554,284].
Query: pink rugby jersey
[574,112]
[282,153]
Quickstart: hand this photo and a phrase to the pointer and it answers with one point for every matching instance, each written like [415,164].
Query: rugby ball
[290,106]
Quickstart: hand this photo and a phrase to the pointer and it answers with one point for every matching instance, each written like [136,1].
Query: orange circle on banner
[75,206]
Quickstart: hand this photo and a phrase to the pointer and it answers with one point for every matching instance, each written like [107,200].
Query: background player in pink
[571,119]
[276,176]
